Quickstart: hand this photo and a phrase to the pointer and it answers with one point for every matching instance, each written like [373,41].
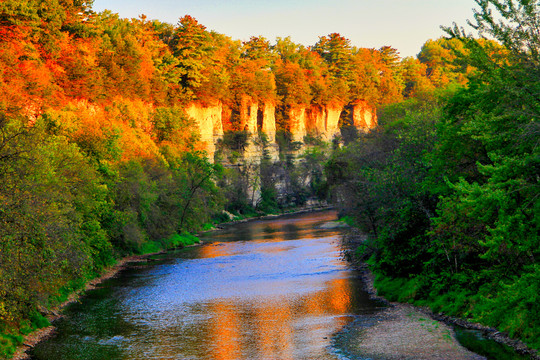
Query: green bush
[8,344]
[181,240]
[150,247]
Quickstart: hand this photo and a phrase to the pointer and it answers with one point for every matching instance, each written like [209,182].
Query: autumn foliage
[97,156]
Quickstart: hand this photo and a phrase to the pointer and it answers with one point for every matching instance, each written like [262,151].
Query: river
[272,289]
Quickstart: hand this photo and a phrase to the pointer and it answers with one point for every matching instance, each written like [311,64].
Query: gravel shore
[403,332]
[413,332]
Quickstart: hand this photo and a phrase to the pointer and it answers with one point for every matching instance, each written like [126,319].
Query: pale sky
[402,24]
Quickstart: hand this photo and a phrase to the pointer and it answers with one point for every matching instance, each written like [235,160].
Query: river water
[274,289]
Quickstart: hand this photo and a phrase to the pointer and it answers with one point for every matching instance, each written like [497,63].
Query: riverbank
[383,341]
[402,332]
[297,211]
[54,314]
[35,337]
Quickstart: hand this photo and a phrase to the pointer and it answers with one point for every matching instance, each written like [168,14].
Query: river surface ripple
[272,289]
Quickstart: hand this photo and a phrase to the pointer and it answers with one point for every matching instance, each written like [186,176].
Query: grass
[8,344]
[10,339]
[172,242]
[348,220]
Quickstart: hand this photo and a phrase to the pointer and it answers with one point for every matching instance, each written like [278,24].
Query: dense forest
[448,186]
[99,160]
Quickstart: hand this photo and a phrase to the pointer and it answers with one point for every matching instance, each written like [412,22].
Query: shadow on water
[475,341]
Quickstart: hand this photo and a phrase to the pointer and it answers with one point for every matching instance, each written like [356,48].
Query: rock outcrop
[209,122]
[248,114]
[333,112]
[297,123]
[254,117]
[268,121]
[364,116]
[317,120]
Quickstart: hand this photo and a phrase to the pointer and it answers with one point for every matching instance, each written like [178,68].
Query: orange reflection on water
[225,331]
[214,250]
[266,330]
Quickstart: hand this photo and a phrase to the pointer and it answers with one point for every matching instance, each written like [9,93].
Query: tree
[337,52]
[443,58]
[191,45]
[49,211]
[416,83]
[195,177]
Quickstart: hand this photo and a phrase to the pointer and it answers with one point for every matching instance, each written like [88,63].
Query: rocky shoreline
[402,332]
[355,238]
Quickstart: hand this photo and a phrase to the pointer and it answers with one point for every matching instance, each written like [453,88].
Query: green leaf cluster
[448,188]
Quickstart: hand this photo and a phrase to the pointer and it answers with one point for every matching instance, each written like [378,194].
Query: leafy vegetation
[448,186]
[99,160]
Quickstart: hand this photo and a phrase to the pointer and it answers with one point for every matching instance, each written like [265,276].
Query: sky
[403,24]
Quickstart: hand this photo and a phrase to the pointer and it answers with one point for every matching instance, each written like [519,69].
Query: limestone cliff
[248,114]
[333,112]
[209,122]
[268,120]
[316,119]
[297,123]
[254,117]
[364,116]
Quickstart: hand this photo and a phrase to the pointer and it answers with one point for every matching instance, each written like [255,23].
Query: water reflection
[279,328]
[279,295]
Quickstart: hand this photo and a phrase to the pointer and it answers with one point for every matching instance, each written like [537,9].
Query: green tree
[336,51]
[191,45]
[50,212]
[195,177]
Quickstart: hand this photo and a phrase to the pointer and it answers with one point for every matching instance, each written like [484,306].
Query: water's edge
[360,268]
[458,324]
[34,338]
[55,314]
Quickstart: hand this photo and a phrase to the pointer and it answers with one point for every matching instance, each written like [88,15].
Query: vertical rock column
[316,120]
[333,112]
[297,123]
[208,119]
[248,122]
[269,121]
[217,122]
[248,114]
[364,116]
[268,127]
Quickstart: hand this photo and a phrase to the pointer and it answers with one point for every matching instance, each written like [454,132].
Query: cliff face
[209,122]
[364,116]
[318,120]
[268,121]
[333,112]
[297,123]
[248,114]
[322,121]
